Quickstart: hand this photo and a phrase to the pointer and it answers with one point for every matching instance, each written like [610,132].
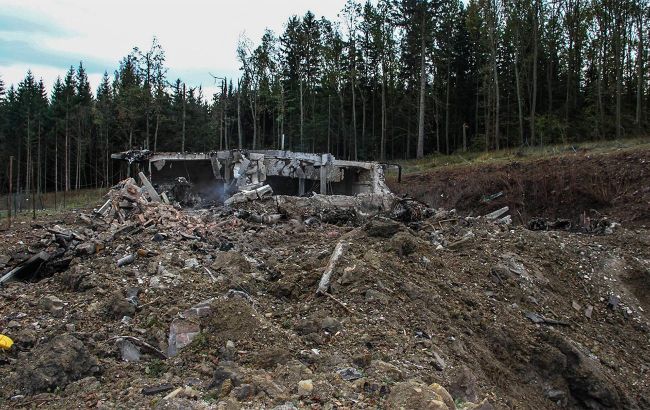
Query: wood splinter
[324,285]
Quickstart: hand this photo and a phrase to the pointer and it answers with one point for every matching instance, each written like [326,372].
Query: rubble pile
[367,301]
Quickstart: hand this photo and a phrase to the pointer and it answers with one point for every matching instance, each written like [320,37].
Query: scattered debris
[497,214]
[216,304]
[540,319]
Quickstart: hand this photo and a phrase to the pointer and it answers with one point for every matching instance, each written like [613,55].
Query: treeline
[388,80]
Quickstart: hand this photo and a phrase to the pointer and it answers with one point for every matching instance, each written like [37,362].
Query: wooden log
[339,250]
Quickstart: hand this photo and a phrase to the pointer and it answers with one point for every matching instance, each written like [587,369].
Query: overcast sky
[198,37]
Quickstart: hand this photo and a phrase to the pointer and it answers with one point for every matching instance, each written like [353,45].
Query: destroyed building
[217,175]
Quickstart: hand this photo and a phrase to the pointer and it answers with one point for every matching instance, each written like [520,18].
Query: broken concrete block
[181,334]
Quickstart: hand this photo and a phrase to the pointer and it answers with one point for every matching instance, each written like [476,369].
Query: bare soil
[493,313]
[615,184]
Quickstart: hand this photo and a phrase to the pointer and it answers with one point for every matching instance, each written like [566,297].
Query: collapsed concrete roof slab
[287,172]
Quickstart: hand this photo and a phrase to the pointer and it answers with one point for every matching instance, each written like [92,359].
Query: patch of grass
[156,368]
[519,154]
[49,203]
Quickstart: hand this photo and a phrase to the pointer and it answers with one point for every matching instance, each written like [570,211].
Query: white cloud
[197,36]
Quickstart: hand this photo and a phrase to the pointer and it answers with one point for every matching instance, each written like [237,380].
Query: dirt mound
[54,365]
[217,309]
[567,186]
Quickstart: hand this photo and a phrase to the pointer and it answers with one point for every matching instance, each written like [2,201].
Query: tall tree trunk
[38,160]
[520,110]
[240,132]
[28,145]
[423,83]
[568,79]
[341,139]
[78,156]
[619,74]
[363,118]
[67,148]
[639,71]
[533,100]
[253,107]
[329,122]
[184,117]
[447,110]
[147,126]
[302,117]
[382,149]
[497,103]
[155,133]
[354,110]
[56,165]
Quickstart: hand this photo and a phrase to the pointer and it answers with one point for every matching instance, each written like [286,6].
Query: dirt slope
[614,184]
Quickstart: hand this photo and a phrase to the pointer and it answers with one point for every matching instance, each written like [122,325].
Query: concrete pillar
[301,186]
[323,174]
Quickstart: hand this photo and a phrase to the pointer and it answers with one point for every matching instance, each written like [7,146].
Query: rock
[185,328]
[270,358]
[349,373]
[376,296]
[13,324]
[382,228]
[555,394]
[117,306]
[4,260]
[306,326]
[232,263]
[305,387]
[588,311]
[186,392]
[463,385]
[362,360]
[613,301]
[55,364]
[438,361]
[587,382]
[403,243]
[191,263]
[413,395]
[25,338]
[226,371]
[483,405]
[161,388]
[226,388]
[381,370]
[331,325]
[77,280]
[285,406]
[85,249]
[53,305]
[129,351]
[244,392]
[444,394]
[181,334]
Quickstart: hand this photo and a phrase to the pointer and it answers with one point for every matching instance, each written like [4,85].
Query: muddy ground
[498,315]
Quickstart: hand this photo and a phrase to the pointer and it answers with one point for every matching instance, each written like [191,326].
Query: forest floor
[219,311]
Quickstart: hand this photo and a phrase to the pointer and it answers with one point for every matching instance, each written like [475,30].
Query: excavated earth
[498,315]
